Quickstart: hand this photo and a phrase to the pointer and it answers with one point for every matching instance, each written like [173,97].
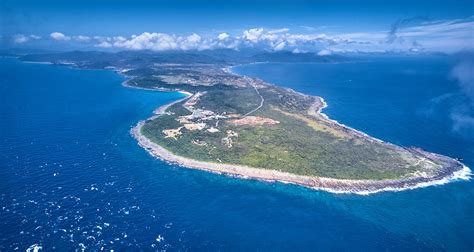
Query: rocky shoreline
[456,171]
[453,170]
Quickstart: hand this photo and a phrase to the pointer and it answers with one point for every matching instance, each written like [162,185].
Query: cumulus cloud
[146,40]
[406,35]
[163,41]
[21,38]
[223,36]
[324,52]
[280,39]
[297,50]
[253,34]
[104,44]
[156,41]
[434,36]
[194,38]
[59,36]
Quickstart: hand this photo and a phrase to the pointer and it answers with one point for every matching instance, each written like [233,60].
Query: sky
[324,27]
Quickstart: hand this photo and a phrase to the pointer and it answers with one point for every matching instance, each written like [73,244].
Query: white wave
[34,248]
[159,238]
[39,62]
[464,174]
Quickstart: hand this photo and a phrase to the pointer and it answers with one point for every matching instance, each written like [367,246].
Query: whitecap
[159,238]
[83,247]
[34,248]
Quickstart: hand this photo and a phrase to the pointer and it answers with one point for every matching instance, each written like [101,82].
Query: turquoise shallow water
[72,177]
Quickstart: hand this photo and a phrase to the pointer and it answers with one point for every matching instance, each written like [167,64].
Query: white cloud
[440,36]
[324,52]
[253,34]
[163,41]
[191,42]
[282,30]
[223,36]
[104,44]
[20,38]
[81,38]
[280,46]
[59,36]
[297,50]
[194,38]
[146,41]
[443,36]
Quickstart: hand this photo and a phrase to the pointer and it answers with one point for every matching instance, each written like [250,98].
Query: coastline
[361,187]
[125,84]
[457,171]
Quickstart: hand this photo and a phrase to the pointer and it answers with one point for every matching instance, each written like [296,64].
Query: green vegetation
[293,145]
[238,120]
[235,101]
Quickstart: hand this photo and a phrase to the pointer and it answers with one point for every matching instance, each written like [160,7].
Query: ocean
[72,177]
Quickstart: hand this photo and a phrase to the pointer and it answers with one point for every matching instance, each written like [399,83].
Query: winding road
[262,100]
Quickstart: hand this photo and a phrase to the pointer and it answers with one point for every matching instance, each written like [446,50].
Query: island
[242,126]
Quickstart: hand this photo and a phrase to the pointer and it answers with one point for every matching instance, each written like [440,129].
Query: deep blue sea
[72,177]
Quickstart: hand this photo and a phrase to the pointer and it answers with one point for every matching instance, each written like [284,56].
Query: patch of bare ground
[254,121]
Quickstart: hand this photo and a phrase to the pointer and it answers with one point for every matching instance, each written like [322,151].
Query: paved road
[262,100]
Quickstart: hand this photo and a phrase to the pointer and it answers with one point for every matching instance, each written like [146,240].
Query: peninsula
[243,126]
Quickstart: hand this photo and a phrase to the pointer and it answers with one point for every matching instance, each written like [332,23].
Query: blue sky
[329,26]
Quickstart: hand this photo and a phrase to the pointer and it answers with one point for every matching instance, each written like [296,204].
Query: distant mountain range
[98,59]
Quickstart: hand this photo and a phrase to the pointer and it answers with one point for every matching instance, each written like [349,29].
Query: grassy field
[298,144]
